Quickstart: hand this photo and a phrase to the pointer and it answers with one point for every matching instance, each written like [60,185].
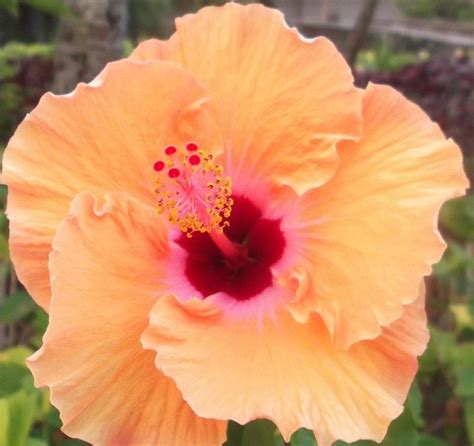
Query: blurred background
[425,48]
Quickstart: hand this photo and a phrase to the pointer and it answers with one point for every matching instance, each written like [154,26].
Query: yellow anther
[193,192]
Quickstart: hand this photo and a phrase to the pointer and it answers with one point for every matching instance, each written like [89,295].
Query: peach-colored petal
[107,268]
[152,49]
[105,136]
[369,235]
[282,101]
[292,373]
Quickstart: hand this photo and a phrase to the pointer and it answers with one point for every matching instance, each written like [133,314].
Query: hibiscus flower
[222,227]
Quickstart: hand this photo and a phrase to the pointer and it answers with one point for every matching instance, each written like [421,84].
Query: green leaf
[32,441]
[259,432]
[54,7]
[3,188]
[40,320]
[16,355]
[457,216]
[413,404]
[4,251]
[10,5]
[358,443]
[402,432]
[4,421]
[12,375]
[234,434]
[429,440]
[444,346]
[44,407]
[456,260]
[463,370]
[428,361]
[27,383]
[21,51]
[18,397]
[16,306]
[52,418]
[39,323]
[462,314]
[469,418]
[303,437]
[21,409]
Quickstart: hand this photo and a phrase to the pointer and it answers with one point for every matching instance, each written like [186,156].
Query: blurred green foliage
[440,407]
[18,63]
[54,7]
[14,52]
[152,17]
[447,9]
[385,58]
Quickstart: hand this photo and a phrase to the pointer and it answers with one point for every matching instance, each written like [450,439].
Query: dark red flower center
[262,242]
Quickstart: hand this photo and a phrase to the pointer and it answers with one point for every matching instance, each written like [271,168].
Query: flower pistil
[192,190]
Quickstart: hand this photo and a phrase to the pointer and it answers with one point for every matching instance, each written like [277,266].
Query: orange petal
[152,49]
[282,101]
[369,235]
[291,373]
[105,136]
[107,266]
